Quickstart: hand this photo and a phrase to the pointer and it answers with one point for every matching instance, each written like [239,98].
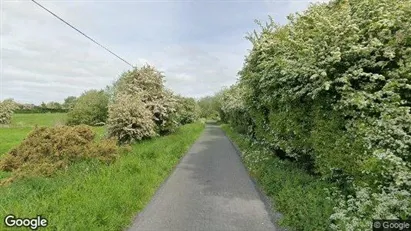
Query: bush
[187,110]
[91,108]
[129,119]
[331,89]
[48,149]
[143,87]
[7,107]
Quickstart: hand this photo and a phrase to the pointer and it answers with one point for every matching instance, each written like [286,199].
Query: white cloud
[199,46]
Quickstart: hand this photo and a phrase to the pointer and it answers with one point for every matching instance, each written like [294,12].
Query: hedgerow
[331,90]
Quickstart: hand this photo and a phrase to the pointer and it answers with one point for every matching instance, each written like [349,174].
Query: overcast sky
[199,45]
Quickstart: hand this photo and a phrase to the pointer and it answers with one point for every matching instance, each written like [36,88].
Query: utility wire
[82,33]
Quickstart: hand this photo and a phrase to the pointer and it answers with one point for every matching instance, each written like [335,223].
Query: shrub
[129,119]
[187,110]
[165,113]
[144,89]
[331,89]
[7,107]
[47,149]
[91,108]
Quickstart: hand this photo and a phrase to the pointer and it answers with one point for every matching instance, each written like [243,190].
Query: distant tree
[69,102]
[53,105]
[43,105]
[209,107]
[91,108]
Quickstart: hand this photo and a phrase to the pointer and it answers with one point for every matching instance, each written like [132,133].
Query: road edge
[275,216]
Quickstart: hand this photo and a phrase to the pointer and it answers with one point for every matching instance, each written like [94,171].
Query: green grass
[11,137]
[94,196]
[40,119]
[299,196]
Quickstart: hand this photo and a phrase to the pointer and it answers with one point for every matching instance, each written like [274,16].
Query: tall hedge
[332,89]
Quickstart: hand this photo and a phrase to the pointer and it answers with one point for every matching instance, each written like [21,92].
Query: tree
[53,105]
[69,102]
[209,107]
[187,110]
[144,85]
[91,108]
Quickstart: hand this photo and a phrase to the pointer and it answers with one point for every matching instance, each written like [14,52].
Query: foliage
[91,108]
[331,90]
[209,107]
[47,149]
[7,107]
[69,102]
[144,89]
[187,110]
[129,119]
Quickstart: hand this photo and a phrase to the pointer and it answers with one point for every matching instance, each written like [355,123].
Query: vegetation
[298,195]
[91,108]
[46,150]
[69,102]
[187,110]
[90,195]
[330,90]
[7,107]
[129,120]
[141,106]
[209,107]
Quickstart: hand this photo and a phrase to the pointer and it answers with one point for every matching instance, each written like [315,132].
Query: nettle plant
[332,89]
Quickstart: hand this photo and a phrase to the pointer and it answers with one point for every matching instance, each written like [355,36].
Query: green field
[40,119]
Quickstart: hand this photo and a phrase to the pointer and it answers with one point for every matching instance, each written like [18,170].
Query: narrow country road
[209,190]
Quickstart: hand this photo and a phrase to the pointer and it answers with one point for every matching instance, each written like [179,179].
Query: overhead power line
[82,33]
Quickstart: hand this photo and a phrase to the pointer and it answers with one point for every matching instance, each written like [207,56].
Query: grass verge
[301,198]
[94,196]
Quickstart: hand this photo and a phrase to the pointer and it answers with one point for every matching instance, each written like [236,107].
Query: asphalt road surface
[209,190]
